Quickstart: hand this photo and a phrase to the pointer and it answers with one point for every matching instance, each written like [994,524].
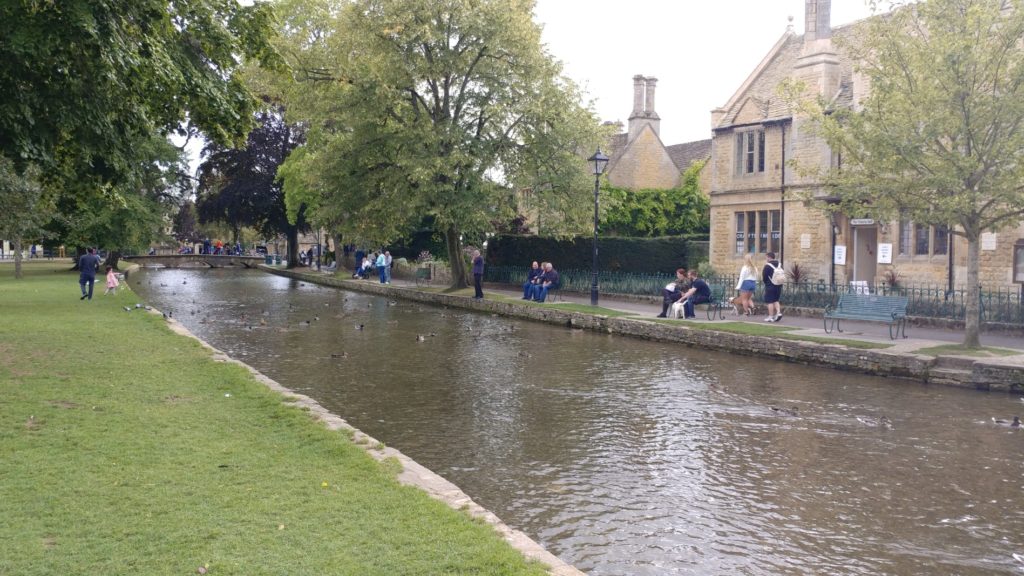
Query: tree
[238,186]
[28,205]
[431,108]
[82,83]
[185,226]
[684,209]
[940,137]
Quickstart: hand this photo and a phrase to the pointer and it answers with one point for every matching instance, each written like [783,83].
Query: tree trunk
[293,247]
[455,260]
[112,258]
[16,247]
[79,252]
[972,318]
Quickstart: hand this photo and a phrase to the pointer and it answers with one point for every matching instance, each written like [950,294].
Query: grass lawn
[126,450]
[772,330]
[959,350]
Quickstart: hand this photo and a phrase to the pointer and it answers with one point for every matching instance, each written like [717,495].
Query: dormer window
[750,151]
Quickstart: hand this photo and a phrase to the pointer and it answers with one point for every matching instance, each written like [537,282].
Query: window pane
[762,231]
[941,243]
[740,234]
[760,150]
[921,239]
[751,232]
[750,151]
[776,231]
[905,238]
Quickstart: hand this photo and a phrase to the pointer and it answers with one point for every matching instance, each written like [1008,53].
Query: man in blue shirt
[698,293]
[548,281]
[531,280]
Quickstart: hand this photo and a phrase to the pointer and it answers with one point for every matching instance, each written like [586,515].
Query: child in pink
[111,281]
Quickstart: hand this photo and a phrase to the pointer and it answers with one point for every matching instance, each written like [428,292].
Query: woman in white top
[746,285]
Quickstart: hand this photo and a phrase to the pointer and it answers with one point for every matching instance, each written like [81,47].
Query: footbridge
[196,260]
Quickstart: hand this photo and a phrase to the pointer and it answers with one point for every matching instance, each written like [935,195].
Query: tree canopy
[86,87]
[422,108]
[939,138]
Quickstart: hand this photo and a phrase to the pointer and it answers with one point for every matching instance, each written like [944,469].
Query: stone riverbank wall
[984,374]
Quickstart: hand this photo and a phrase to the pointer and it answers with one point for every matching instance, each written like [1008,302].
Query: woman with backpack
[773,278]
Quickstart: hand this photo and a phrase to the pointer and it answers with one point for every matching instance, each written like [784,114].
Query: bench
[716,305]
[422,275]
[853,306]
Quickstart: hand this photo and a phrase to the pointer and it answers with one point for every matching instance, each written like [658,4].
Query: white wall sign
[840,256]
[885,253]
[862,221]
[805,241]
[988,240]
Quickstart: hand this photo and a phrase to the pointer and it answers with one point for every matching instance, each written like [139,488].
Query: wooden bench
[852,306]
[422,276]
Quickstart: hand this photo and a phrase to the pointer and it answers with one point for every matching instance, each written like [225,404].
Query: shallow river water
[628,457]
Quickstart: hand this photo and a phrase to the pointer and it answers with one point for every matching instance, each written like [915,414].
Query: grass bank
[126,449]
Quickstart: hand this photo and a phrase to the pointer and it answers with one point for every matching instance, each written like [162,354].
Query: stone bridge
[196,260]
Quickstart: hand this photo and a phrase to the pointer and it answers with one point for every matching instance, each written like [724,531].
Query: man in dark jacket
[531,280]
[87,266]
[548,281]
[699,293]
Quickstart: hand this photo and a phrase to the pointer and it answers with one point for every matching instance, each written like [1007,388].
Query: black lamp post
[598,161]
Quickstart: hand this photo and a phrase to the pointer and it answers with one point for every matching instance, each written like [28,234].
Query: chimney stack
[638,96]
[817,20]
[649,104]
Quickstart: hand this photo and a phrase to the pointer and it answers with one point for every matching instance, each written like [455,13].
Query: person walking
[112,282]
[387,266]
[746,284]
[88,264]
[772,291]
[478,275]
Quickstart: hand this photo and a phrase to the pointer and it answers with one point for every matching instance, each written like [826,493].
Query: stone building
[757,201]
[638,158]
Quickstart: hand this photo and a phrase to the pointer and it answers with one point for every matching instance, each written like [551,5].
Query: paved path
[918,337]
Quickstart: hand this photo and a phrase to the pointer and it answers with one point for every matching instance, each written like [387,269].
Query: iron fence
[1000,305]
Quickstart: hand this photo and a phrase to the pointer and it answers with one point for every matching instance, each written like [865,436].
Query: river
[629,457]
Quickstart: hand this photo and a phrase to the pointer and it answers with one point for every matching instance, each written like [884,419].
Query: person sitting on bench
[531,280]
[548,281]
[699,293]
[673,292]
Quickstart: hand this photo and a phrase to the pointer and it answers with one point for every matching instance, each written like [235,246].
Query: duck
[1015,423]
[342,355]
[359,326]
[421,338]
[787,411]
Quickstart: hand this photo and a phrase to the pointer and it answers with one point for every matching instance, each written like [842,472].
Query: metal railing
[1000,305]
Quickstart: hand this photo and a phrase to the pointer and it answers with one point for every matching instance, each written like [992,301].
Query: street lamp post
[598,161]
[317,248]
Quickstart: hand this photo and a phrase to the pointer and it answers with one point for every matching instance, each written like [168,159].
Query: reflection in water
[630,457]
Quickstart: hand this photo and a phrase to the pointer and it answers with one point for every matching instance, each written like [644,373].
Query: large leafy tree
[27,205]
[431,108]
[939,139]
[239,186]
[82,83]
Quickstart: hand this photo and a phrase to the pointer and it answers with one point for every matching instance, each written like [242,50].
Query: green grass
[126,449]
[960,350]
[769,330]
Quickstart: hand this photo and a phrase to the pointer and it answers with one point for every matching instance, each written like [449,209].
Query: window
[906,234]
[941,240]
[750,152]
[758,231]
[923,240]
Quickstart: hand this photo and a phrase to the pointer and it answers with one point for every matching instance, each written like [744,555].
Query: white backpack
[779,275]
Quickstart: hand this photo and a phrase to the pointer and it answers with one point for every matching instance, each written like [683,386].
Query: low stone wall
[984,374]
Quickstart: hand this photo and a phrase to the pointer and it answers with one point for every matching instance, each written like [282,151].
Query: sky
[700,52]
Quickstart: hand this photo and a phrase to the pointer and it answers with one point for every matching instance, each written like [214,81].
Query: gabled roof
[760,89]
[684,155]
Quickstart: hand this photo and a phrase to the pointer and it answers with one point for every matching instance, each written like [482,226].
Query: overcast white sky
[700,52]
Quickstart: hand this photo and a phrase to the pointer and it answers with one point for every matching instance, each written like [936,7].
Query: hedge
[615,254]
